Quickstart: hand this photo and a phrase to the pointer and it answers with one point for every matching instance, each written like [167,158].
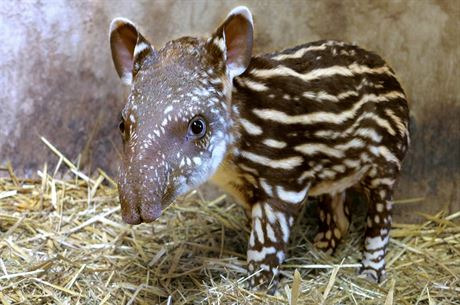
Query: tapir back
[319,112]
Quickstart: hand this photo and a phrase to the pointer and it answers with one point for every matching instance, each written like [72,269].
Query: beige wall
[58,81]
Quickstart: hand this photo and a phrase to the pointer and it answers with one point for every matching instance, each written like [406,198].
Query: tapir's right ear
[234,40]
[129,49]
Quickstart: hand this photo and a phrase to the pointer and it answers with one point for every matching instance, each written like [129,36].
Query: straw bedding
[62,241]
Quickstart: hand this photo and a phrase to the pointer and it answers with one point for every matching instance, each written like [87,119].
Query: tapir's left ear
[129,49]
[234,38]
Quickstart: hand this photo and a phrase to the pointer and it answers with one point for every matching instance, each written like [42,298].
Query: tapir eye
[121,125]
[197,127]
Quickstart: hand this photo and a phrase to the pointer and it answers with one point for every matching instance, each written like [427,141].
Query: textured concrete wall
[58,81]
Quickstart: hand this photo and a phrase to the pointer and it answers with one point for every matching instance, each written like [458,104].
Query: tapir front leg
[272,221]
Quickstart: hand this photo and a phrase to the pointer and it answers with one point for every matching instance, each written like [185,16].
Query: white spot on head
[197,161]
[218,153]
[220,44]
[168,109]
[200,91]
[132,118]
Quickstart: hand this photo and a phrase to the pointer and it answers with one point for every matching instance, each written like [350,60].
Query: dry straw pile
[62,242]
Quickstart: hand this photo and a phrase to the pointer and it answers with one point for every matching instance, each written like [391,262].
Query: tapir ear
[234,39]
[129,49]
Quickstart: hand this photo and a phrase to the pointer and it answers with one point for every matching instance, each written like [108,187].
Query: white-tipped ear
[129,48]
[244,11]
[234,38]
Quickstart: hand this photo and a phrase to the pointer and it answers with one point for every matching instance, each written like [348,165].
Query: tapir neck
[229,176]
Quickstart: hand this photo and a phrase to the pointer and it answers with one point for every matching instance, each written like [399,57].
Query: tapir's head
[176,123]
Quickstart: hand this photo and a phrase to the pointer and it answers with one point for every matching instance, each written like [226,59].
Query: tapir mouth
[131,218]
[150,211]
[147,212]
[140,205]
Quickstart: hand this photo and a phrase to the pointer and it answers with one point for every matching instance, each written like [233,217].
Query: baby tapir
[271,130]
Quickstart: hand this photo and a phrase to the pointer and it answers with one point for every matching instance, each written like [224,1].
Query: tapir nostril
[129,210]
[129,213]
[139,203]
[132,219]
[150,211]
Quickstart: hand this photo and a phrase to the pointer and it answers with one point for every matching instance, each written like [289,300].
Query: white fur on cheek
[206,168]
[218,154]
